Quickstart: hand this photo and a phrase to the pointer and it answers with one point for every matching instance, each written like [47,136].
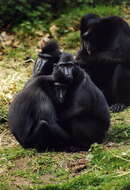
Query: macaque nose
[68,72]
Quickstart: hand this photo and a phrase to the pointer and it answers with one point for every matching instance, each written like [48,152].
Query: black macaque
[49,55]
[83,112]
[32,115]
[70,117]
[64,75]
[105,56]
[33,119]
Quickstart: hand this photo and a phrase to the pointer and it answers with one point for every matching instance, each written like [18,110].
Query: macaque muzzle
[67,69]
[60,90]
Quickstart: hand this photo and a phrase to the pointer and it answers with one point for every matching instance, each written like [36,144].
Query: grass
[103,167]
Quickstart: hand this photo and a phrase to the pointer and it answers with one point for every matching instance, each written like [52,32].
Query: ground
[103,167]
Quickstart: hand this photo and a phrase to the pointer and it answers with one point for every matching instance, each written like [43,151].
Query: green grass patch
[104,166]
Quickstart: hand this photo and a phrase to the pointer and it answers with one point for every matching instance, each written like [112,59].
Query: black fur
[105,55]
[84,112]
[49,55]
[32,116]
[39,120]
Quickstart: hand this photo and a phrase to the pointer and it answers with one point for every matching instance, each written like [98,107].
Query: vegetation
[103,167]
[17,11]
